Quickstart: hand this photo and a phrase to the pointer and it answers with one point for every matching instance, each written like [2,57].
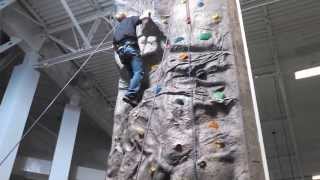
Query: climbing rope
[153,104]
[194,131]
[28,131]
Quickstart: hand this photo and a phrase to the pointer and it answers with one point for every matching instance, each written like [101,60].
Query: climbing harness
[37,120]
[195,131]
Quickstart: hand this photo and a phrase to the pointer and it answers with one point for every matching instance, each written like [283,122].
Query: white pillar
[64,149]
[14,110]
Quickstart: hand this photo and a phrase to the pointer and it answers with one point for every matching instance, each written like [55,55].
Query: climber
[125,44]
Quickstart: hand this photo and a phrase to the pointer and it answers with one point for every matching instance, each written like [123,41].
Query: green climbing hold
[219,96]
[178,39]
[205,36]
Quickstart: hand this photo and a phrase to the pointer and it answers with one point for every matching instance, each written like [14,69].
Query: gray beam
[107,12]
[62,43]
[75,23]
[13,41]
[73,56]
[5,3]
[94,29]
[283,93]
[260,5]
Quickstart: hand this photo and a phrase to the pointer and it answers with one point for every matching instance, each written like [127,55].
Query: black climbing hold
[202,164]
[179,101]
[178,148]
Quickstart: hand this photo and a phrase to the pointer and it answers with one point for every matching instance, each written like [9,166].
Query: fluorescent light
[306,73]
[316,177]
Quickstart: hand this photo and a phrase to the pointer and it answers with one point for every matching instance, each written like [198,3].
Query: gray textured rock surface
[207,104]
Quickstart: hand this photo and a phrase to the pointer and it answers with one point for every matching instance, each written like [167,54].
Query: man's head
[121,16]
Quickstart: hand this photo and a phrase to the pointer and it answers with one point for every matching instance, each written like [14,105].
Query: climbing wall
[195,118]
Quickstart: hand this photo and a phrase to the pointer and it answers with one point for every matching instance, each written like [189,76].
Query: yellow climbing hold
[139,130]
[183,1]
[154,67]
[183,56]
[219,144]
[152,169]
[216,18]
[213,124]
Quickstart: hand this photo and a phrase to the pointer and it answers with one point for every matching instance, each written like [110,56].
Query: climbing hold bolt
[213,125]
[183,56]
[205,36]
[178,39]
[200,3]
[216,18]
[157,89]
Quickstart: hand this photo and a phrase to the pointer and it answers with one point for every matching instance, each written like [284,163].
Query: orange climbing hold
[183,56]
[213,125]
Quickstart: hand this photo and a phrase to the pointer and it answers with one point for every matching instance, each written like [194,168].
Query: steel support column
[64,149]
[14,110]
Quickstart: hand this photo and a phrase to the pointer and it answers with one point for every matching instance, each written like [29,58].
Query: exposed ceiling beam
[76,55]
[283,93]
[31,10]
[13,41]
[5,3]
[261,5]
[94,29]
[93,104]
[107,12]
[62,43]
[76,23]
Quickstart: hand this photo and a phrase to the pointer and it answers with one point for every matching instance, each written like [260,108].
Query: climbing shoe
[130,100]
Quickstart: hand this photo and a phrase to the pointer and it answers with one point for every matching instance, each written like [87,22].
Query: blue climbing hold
[200,3]
[157,89]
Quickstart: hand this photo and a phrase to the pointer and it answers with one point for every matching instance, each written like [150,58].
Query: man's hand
[146,15]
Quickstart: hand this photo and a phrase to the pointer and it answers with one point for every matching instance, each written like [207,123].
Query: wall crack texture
[214,113]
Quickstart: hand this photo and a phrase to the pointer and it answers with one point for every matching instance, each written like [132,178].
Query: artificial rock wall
[194,121]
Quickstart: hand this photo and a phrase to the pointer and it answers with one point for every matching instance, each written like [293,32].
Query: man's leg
[137,76]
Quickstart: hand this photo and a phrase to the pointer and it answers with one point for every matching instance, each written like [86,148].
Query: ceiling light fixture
[306,73]
[316,177]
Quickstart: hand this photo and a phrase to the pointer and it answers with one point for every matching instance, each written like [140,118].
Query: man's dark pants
[130,56]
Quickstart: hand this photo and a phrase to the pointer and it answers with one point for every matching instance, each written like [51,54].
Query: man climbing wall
[125,43]
[195,121]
